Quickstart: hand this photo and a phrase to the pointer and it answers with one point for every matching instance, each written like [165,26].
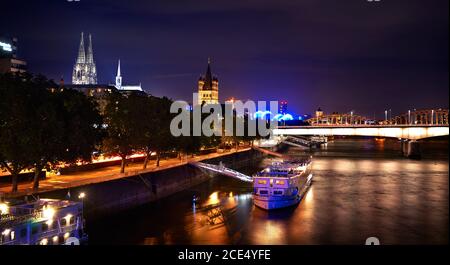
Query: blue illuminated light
[283,117]
[261,114]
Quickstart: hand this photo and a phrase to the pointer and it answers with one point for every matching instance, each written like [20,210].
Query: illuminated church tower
[84,70]
[208,87]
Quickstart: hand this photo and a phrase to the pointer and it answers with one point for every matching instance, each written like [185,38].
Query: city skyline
[213,131]
[381,59]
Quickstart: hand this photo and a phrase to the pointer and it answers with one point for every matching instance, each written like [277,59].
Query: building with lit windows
[336,118]
[208,87]
[9,61]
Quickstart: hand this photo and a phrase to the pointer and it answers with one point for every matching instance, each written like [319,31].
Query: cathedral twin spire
[84,70]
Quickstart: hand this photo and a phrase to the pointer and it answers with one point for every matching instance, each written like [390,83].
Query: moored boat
[42,222]
[282,184]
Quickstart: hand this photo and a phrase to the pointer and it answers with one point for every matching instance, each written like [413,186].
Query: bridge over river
[407,134]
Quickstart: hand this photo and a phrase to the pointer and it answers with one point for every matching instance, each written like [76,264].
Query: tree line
[43,125]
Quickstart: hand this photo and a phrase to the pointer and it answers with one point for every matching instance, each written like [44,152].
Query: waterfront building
[9,60]
[336,118]
[319,113]
[85,70]
[208,87]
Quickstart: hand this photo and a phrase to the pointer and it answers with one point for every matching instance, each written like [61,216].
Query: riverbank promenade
[71,180]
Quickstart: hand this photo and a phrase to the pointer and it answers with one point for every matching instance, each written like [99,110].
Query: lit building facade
[9,61]
[208,87]
[336,118]
[119,85]
[319,113]
[84,70]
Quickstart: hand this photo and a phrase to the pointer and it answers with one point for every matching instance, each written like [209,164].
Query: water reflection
[358,192]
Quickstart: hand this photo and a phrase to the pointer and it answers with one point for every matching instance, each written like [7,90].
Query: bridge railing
[362,126]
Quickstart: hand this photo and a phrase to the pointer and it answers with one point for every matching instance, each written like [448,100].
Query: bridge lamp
[432,114]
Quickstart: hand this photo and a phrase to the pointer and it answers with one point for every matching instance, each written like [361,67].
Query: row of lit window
[56,240]
[10,235]
[277,182]
[207,95]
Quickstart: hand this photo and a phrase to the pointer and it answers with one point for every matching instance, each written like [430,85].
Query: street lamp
[409,116]
[4,209]
[432,115]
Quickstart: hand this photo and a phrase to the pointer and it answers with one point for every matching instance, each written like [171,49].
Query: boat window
[72,220]
[34,230]
[262,181]
[278,192]
[63,222]
[44,227]
[263,192]
[279,182]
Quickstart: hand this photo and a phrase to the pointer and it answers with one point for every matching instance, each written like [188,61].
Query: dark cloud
[341,55]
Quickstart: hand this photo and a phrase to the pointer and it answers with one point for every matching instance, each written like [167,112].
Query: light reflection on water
[360,190]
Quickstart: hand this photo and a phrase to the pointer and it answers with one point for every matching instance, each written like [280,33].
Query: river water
[361,188]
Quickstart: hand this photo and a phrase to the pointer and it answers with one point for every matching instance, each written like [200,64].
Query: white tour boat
[282,184]
[42,222]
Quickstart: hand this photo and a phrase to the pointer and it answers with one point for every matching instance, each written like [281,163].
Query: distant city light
[283,117]
[261,114]
[6,46]
[4,208]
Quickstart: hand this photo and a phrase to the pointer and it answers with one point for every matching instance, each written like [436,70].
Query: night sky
[339,55]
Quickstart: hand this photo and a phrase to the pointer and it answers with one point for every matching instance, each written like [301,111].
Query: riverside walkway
[71,180]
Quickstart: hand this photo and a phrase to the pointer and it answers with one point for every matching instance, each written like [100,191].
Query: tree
[67,129]
[47,125]
[123,114]
[18,101]
[83,131]
[148,127]
[40,128]
[162,139]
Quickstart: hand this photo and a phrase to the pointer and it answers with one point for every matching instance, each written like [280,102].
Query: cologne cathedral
[84,70]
